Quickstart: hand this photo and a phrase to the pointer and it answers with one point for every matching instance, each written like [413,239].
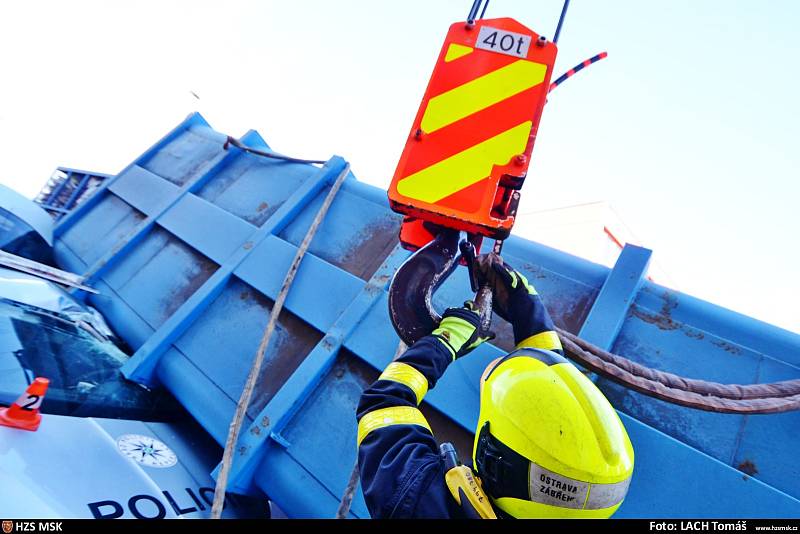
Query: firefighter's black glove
[460,330]
[513,297]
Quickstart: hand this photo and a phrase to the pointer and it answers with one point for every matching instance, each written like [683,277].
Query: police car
[105,447]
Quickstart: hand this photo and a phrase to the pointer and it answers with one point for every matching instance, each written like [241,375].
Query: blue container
[190,243]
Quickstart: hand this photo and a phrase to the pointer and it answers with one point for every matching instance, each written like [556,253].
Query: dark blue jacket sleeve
[533,327]
[399,463]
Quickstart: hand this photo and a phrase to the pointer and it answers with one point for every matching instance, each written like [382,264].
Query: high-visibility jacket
[402,472]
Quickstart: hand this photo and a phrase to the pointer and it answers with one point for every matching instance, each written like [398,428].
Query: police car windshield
[84,370]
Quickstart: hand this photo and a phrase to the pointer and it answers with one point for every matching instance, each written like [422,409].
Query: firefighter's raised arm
[397,454]
[516,300]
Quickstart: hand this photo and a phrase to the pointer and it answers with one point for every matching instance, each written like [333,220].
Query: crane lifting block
[469,148]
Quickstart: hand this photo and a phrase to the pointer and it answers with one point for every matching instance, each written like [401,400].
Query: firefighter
[547,443]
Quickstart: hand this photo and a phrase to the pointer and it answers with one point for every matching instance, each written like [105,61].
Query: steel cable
[273,155]
[700,394]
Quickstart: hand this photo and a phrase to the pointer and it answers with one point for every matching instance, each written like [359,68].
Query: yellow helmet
[548,443]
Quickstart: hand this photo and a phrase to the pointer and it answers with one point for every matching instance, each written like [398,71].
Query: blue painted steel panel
[672,480]
[228,330]
[100,230]
[273,258]
[139,187]
[190,244]
[240,189]
[218,237]
[313,369]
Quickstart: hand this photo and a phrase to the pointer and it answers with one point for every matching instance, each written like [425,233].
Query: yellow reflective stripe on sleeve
[455,51]
[480,93]
[408,376]
[546,340]
[468,167]
[397,415]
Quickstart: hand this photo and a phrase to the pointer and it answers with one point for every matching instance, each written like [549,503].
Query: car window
[83,369]
[17,237]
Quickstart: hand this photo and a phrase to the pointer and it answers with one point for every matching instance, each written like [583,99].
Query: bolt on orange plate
[469,148]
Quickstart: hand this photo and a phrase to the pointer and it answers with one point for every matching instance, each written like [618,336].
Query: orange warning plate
[469,147]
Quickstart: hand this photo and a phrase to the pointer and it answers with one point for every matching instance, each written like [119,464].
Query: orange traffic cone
[24,413]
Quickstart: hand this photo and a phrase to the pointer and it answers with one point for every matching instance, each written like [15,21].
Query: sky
[689,129]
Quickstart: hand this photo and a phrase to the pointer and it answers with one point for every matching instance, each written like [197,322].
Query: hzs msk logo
[8,526]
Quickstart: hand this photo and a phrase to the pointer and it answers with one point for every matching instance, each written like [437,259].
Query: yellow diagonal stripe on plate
[455,51]
[469,166]
[480,93]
